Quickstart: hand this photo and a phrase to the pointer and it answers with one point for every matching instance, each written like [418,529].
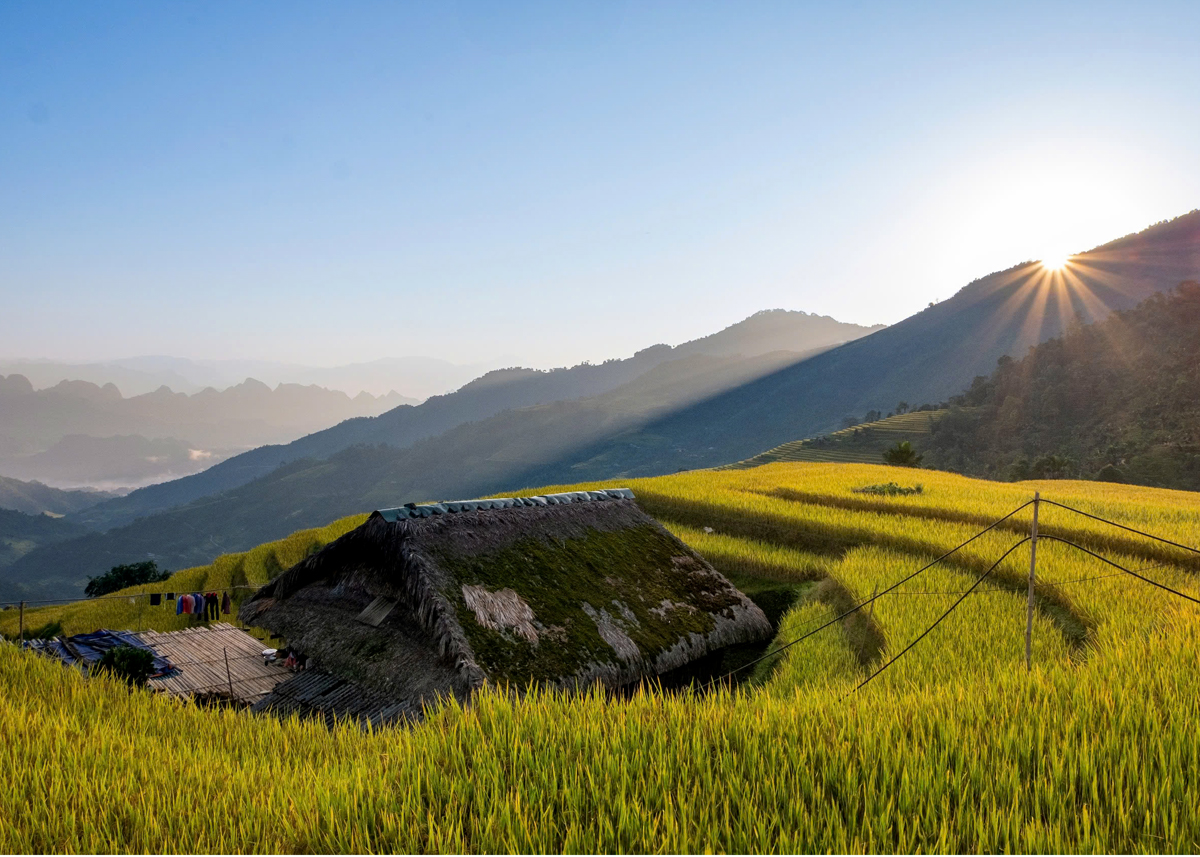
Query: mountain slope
[34,498]
[925,358]
[475,458]
[149,437]
[505,389]
[20,534]
[1118,400]
[653,427]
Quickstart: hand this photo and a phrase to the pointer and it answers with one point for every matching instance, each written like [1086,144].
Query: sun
[1055,261]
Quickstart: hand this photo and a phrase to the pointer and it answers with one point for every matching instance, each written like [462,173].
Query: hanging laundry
[188,603]
[155,599]
[179,606]
[170,596]
[226,604]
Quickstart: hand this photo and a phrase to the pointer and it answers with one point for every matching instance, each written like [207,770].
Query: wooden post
[871,612]
[21,632]
[1033,536]
[228,676]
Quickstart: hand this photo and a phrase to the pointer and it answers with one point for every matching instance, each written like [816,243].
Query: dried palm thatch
[563,590]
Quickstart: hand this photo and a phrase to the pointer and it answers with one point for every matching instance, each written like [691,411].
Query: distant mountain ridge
[416,377]
[646,426]
[148,436]
[486,455]
[34,498]
[503,389]
[926,358]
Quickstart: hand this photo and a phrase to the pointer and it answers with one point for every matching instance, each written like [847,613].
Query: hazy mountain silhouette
[647,426]
[487,456]
[79,433]
[34,498]
[493,393]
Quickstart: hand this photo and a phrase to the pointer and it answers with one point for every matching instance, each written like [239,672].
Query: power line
[1123,568]
[837,619]
[1121,526]
[978,581]
[132,596]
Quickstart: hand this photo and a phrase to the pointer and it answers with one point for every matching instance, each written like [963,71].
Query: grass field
[954,748]
[861,444]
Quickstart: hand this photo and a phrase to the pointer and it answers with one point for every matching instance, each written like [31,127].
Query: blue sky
[545,183]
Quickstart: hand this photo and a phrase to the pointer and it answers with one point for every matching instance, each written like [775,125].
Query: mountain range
[686,410]
[77,433]
[416,376]
[792,334]
[581,403]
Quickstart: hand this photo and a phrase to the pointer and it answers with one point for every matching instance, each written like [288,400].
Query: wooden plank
[376,611]
[199,657]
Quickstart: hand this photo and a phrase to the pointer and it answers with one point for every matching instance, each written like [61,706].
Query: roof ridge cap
[425,510]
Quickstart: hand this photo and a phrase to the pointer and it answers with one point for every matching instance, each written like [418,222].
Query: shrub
[130,664]
[890,489]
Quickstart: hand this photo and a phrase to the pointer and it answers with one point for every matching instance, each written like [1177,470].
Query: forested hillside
[926,358]
[21,533]
[1118,400]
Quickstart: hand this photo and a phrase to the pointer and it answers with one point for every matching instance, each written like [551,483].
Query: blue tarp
[86,650]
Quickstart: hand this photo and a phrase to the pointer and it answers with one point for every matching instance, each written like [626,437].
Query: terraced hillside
[955,747]
[861,444]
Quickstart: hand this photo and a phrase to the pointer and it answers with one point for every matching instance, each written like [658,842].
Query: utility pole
[21,633]
[1033,536]
[228,675]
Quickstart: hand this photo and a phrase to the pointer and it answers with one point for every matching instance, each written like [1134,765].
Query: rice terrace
[956,747]
[599,427]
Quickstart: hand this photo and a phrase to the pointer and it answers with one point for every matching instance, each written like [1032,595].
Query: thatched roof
[563,590]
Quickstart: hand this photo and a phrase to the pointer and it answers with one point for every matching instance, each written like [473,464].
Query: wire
[126,597]
[837,619]
[1123,568]
[1121,526]
[950,610]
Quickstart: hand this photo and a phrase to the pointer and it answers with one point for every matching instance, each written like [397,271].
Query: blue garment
[179,606]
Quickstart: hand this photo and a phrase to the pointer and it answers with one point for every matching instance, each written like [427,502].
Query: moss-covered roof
[561,589]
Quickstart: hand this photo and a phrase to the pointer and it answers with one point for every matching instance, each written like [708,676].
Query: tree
[902,455]
[902,408]
[872,417]
[132,665]
[121,576]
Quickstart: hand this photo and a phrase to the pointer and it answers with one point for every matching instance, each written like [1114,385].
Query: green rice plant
[955,747]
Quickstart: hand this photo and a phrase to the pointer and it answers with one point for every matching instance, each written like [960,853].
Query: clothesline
[128,596]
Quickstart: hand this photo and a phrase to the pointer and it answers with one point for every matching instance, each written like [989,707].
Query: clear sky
[552,182]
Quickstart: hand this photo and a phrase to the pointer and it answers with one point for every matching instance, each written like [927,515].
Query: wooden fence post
[21,632]
[1033,539]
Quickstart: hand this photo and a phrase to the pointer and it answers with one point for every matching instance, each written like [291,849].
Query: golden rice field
[954,748]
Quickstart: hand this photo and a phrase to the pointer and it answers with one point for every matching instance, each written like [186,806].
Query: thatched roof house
[563,590]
